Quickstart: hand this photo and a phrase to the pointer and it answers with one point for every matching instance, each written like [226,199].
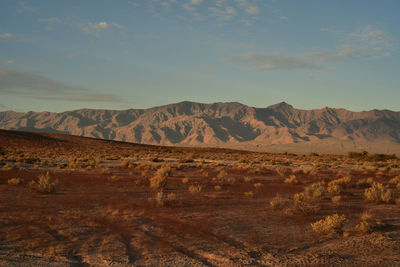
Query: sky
[120,54]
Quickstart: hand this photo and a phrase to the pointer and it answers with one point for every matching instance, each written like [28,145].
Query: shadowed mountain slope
[277,128]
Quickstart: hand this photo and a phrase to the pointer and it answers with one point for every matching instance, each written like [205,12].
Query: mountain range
[276,128]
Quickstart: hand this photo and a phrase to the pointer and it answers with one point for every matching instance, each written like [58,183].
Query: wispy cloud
[3,107]
[196,2]
[252,10]
[96,28]
[23,7]
[275,62]
[375,36]
[50,20]
[36,86]
[8,36]
[367,42]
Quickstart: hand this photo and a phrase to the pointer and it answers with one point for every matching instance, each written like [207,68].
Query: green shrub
[330,225]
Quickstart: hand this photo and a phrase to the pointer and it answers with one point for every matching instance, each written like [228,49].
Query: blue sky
[120,54]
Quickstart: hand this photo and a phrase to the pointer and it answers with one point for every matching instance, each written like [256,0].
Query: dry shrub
[362,183]
[291,180]
[258,185]
[223,179]
[249,194]
[331,225]
[316,190]
[9,166]
[160,198]
[282,170]
[368,224]
[171,196]
[395,180]
[145,173]
[185,180]
[378,193]
[15,181]
[248,179]
[160,178]
[125,163]
[299,197]
[195,189]
[336,199]
[339,186]
[114,178]
[292,207]
[204,173]
[217,187]
[279,202]
[44,184]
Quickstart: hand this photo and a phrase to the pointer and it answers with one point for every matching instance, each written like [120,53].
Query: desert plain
[76,201]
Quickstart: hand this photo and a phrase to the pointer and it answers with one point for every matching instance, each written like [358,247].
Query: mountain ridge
[275,128]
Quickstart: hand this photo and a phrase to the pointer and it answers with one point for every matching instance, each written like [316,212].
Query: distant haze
[277,128]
